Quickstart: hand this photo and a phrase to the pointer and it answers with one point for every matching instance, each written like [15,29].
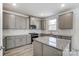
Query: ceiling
[39,9]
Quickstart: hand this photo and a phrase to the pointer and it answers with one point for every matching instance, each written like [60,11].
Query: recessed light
[14,4]
[62,5]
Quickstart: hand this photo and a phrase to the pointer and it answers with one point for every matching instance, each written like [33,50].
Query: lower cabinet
[28,39]
[40,49]
[50,51]
[23,40]
[10,42]
[37,49]
[20,40]
[16,41]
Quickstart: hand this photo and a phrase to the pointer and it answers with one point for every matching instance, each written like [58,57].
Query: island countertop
[53,42]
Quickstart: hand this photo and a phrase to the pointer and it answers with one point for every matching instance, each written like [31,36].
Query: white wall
[1,42]
[75,37]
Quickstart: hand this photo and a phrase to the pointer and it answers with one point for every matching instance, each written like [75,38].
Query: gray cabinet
[37,48]
[11,21]
[10,42]
[16,41]
[40,49]
[20,22]
[8,21]
[35,21]
[20,40]
[28,39]
[43,24]
[66,21]
[49,51]
[23,40]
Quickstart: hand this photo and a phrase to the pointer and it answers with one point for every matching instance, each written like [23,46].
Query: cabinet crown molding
[10,12]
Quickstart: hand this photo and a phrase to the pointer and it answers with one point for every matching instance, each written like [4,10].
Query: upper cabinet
[65,21]
[35,23]
[11,21]
[21,22]
[8,21]
[43,24]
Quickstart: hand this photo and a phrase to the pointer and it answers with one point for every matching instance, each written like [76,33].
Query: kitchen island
[50,46]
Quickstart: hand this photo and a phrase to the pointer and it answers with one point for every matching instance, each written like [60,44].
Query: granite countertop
[53,42]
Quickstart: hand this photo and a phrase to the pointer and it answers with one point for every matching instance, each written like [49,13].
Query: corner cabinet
[35,21]
[65,21]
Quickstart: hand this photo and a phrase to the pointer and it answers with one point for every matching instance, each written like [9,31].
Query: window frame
[52,24]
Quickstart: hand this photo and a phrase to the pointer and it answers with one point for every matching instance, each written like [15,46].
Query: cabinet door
[20,22]
[66,21]
[8,21]
[20,40]
[10,42]
[17,41]
[23,40]
[27,23]
[37,48]
[28,39]
[43,24]
[49,51]
[35,21]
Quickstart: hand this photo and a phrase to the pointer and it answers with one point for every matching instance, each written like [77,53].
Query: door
[1,41]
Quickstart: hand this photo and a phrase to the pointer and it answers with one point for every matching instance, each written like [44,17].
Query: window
[52,24]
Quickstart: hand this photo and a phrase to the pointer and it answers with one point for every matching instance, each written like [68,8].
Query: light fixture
[62,5]
[14,4]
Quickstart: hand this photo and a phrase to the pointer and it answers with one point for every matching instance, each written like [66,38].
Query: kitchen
[31,29]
